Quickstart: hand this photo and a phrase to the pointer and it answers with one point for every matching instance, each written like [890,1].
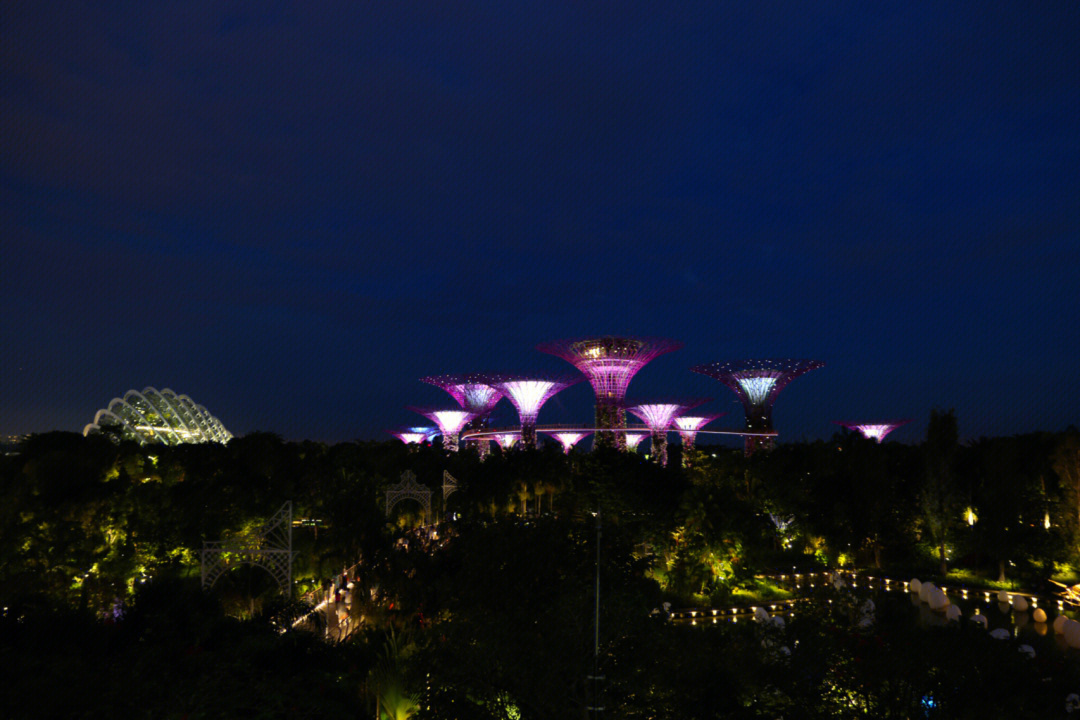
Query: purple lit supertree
[633,439]
[472,394]
[528,393]
[411,436]
[688,426]
[610,363]
[450,423]
[757,383]
[658,415]
[873,431]
[569,438]
[507,440]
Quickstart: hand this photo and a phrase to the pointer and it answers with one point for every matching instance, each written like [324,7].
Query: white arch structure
[449,485]
[409,489]
[270,547]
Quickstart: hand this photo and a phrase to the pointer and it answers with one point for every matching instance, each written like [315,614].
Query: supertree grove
[658,416]
[450,423]
[610,363]
[472,394]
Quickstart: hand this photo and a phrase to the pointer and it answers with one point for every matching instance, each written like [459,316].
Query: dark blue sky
[291,211]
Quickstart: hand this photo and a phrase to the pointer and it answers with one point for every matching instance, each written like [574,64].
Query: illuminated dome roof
[161,417]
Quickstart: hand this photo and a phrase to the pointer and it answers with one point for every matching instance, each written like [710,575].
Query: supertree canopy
[757,383]
[873,431]
[528,393]
[407,436]
[472,394]
[610,363]
[427,432]
[470,391]
[161,417]
[633,439]
[450,423]
[688,426]
[568,438]
[507,440]
[658,416]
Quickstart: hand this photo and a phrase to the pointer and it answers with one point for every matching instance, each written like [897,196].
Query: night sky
[292,211]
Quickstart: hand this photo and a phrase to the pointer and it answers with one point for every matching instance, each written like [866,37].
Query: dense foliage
[492,617]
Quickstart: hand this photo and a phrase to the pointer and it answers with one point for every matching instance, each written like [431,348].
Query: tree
[939,497]
[1067,467]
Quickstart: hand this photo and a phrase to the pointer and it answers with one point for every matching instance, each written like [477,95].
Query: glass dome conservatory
[153,416]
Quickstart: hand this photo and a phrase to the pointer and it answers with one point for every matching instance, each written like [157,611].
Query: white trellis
[408,489]
[449,485]
[269,547]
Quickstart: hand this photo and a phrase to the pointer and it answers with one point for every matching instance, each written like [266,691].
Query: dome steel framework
[153,416]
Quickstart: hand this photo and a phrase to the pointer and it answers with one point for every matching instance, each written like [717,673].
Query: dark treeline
[99,572]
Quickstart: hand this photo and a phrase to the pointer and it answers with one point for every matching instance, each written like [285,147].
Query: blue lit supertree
[757,384]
